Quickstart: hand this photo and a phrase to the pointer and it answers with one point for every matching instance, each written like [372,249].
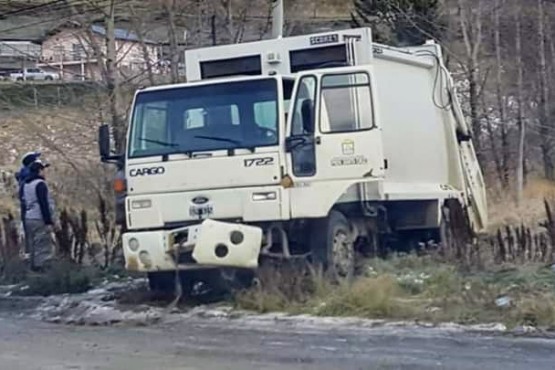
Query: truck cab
[304,146]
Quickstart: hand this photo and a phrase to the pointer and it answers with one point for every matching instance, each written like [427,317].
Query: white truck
[314,146]
[33,74]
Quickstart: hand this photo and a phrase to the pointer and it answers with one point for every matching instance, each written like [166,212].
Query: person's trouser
[26,238]
[39,242]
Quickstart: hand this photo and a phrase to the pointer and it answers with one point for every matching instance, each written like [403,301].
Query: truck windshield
[222,116]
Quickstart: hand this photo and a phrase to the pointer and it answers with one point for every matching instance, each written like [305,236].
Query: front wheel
[332,246]
[164,282]
[205,285]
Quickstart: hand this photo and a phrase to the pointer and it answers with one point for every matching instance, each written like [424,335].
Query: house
[18,54]
[73,52]
[20,41]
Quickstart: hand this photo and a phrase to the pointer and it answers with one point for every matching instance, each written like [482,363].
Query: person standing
[26,161]
[39,216]
[21,176]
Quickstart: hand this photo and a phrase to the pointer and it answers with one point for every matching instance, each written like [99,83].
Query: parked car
[34,74]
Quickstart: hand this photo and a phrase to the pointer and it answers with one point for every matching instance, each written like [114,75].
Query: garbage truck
[316,146]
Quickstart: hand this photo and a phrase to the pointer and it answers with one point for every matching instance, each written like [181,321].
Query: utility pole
[277,19]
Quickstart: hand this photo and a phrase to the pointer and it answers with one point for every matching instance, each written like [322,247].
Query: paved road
[26,344]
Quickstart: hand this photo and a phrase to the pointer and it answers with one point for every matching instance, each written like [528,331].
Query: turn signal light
[119,185]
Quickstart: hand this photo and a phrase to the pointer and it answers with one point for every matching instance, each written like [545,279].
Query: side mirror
[104,144]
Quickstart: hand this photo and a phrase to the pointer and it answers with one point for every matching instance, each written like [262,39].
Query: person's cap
[38,165]
[29,158]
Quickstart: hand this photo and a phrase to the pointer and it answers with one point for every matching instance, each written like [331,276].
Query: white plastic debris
[503,301]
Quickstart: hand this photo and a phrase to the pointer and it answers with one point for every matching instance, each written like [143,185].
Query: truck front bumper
[209,244]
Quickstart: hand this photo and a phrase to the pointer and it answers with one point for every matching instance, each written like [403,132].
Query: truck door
[334,140]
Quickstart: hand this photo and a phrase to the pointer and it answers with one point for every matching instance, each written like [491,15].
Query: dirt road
[26,344]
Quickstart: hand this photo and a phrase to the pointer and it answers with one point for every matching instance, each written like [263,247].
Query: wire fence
[46,94]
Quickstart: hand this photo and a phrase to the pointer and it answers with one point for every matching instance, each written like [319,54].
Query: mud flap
[229,245]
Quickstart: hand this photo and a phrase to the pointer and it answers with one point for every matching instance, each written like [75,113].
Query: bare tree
[492,140]
[549,168]
[170,9]
[138,24]
[521,121]
[470,20]
[112,78]
[501,97]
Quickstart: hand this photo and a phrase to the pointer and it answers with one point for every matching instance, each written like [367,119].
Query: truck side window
[346,103]
[153,118]
[304,107]
[303,154]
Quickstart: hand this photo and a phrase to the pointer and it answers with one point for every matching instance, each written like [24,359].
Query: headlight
[145,259]
[257,197]
[133,244]
[141,204]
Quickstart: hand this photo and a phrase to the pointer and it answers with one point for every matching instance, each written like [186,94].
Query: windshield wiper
[163,143]
[217,138]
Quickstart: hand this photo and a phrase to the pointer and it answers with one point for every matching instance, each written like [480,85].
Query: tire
[237,279]
[215,285]
[332,247]
[163,282]
[48,78]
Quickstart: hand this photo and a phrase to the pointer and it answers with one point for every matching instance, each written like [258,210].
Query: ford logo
[200,200]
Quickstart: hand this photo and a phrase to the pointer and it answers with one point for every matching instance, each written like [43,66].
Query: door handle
[318,140]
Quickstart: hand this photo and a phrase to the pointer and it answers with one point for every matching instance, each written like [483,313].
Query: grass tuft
[60,278]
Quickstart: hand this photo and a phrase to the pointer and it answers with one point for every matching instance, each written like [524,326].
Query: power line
[79,2]
[30,8]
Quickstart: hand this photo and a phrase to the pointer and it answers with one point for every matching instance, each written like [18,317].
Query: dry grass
[411,287]
[503,209]
[377,297]
[281,288]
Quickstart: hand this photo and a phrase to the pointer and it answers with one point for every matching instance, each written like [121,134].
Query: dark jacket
[21,176]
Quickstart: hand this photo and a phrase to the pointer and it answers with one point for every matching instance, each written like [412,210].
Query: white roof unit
[281,56]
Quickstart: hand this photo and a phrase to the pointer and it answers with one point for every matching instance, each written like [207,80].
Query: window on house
[77,52]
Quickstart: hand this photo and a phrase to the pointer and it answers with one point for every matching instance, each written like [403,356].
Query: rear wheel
[332,246]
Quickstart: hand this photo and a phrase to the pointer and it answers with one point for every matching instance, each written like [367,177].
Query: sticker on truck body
[325,39]
[257,162]
[147,171]
[349,161]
